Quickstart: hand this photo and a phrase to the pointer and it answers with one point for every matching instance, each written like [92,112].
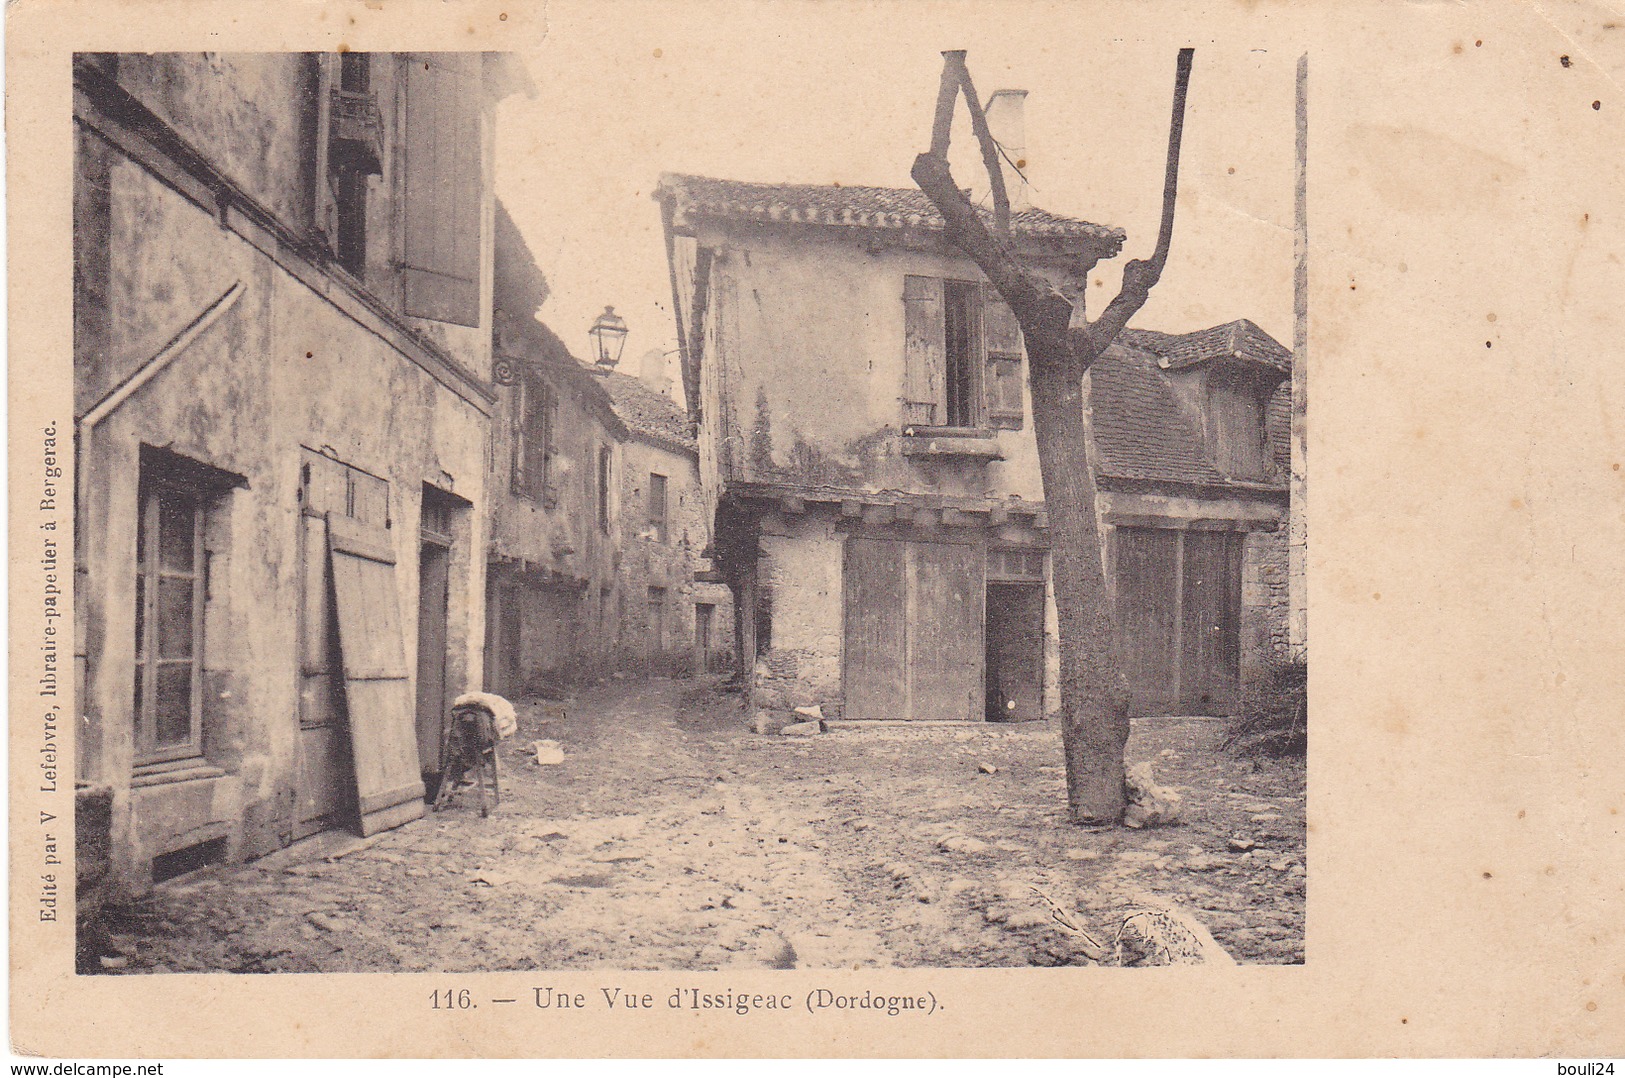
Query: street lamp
[608,335]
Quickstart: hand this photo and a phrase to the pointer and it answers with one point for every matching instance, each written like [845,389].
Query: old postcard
[751,529]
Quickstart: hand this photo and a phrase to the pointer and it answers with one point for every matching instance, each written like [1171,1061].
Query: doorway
[1015,652]
[434,574]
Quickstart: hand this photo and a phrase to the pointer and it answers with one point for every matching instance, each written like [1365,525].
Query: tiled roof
[855,207]
[1143,431]
[654,416]
[1233,340]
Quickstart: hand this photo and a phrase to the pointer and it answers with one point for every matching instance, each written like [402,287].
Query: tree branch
[989,148]
[1038,308]
[1140,276]
[942,124]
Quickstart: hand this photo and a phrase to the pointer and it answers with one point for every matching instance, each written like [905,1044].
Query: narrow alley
[672,837]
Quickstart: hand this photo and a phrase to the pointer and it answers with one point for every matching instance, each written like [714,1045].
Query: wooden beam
[850,507]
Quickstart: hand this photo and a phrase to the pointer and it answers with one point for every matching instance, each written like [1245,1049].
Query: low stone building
[282,364]
[554,552]
[1189,443]
[672,615]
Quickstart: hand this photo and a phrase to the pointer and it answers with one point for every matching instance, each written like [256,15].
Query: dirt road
[674,838]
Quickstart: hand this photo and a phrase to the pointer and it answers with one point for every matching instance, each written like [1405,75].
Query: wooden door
[1147,584]
[875,608]
[433,573]
[325,792]
[913,630]
[945,652]
[1210,633]
[377,693]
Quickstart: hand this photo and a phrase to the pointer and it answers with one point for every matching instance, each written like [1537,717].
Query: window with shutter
[442,167]
[948,340]
[535,413]
[1003,381]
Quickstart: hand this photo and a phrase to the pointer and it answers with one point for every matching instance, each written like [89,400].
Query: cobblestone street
[671,837]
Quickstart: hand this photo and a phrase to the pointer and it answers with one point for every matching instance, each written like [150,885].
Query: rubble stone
[1149,805]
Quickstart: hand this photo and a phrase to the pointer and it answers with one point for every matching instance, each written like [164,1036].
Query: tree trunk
[1094,701]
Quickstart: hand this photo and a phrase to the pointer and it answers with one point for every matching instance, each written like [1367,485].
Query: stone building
[672,615]
[555,540]
[866,452]
[282,374]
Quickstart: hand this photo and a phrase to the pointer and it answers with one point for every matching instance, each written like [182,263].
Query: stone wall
[799,582]
[1265,602]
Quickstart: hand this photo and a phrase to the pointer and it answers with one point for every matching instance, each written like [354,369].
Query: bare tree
[1094,697]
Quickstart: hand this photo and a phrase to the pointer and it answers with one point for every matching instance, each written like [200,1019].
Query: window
[535,417]
[603,489]
[355,152]
[962,356]
[1015,563]
[169,593]
[657,506]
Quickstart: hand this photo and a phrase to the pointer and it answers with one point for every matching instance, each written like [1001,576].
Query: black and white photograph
[857,597]
[795,507]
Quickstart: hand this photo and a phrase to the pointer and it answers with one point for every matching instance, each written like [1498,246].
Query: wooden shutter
[874,668]
[1003,336]
[443,168]
[924,351]
[945,652]
[550,427]
[1238,431]
[377,689]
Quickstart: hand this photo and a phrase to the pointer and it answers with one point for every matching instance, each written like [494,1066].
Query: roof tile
[861,207]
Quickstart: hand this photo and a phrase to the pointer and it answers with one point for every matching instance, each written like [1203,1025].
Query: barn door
[945,653]
[377,689]
[1210,635]
[1147,587]
[913,630]
[875,572]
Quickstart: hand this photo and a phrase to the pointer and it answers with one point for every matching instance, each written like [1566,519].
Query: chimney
[654,371]
[1005,119]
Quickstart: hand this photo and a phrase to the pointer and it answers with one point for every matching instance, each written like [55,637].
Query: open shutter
[924,399]
[377,690]
[1003,381]
[550,427]
[441,219]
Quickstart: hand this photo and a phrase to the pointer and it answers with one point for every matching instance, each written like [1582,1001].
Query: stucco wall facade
[281,369]
[803,379]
